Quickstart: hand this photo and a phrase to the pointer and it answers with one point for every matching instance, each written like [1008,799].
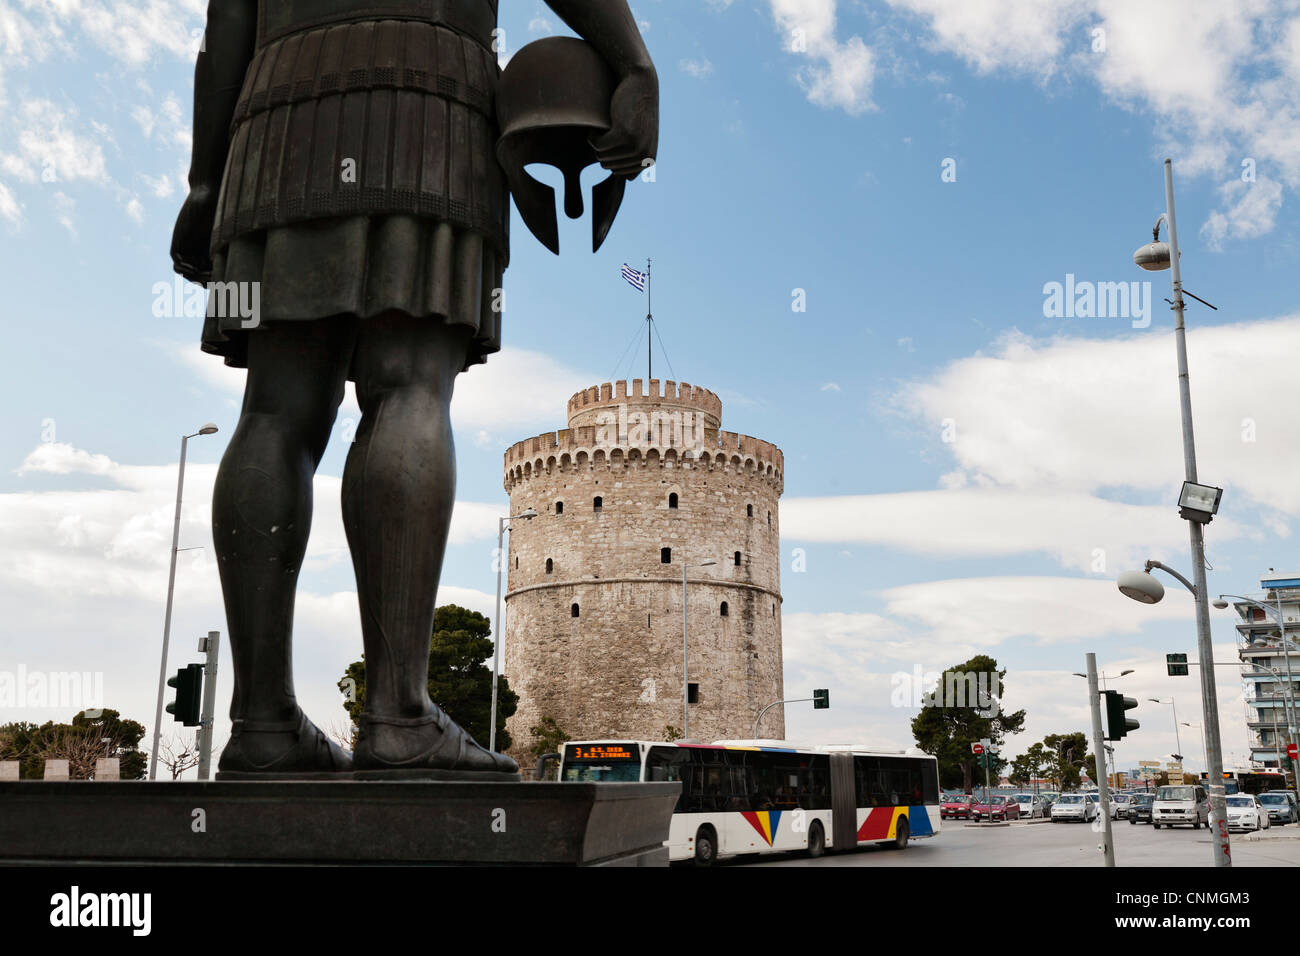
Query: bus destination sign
[601,752]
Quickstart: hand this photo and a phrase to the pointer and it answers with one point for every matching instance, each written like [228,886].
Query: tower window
[559,507]
[774,610]
[723,610]
[692,693]
[597,503]
[672,500]
[516,562]
[737,559]
[550,565]
[769,519]
[749,511]
[573,610]
[665,555]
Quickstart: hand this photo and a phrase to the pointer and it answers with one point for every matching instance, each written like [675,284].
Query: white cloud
[10,209]
[1086,415]
[1077,531]
[135,210]
[1220,79]
[697,68]
[1252,211]
[841,72]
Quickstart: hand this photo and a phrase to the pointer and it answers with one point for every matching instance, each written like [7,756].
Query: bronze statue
[345,158]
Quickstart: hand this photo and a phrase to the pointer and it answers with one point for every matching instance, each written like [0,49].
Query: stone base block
[335,823]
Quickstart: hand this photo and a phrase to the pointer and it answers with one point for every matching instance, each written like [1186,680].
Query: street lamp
[1197,508]
[1105,677]
[686,679]
[208,429]
[529,515]
[1177,740]
[1201,730]
[1142,587]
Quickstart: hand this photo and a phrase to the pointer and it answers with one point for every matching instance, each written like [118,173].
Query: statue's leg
[261,518]
[399,487]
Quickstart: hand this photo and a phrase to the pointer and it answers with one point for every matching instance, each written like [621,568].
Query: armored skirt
[362,179]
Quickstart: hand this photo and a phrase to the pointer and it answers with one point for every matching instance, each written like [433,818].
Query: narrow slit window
[672,501]
[665,555]
[749,511]
[559,507]
[573,610]
[597,503]
[723,609]
[737,559]
[550,565]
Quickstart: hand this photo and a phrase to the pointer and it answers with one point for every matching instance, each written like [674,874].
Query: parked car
[1074,806]
[1281,806]
[1031,805]
[1119,804]
[956,807]
[1049,798]
[1180,804]
[998,807]
[1139,808]
[1246,813]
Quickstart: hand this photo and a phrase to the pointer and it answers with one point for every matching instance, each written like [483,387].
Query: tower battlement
[587,406]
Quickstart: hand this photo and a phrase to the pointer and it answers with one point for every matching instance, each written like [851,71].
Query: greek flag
[634,278]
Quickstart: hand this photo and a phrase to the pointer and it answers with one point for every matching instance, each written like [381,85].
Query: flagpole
[649,325]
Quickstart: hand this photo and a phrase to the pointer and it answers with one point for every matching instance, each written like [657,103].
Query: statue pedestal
[335,823]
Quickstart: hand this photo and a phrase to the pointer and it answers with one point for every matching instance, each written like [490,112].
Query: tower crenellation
[643,479]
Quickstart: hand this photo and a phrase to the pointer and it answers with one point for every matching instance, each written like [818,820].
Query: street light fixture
[528,515]
[686,678]
[208,429]
[1193,507]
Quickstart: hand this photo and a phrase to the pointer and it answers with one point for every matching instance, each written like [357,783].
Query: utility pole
[1099,749]
[210,645]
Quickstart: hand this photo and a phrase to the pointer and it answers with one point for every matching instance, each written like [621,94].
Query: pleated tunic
[362,178]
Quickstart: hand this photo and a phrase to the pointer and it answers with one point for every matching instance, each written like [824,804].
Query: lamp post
[1177,740]
[1197,505]
[529,515]
[1201,730]
[686,676]
[208,429]
[1145,589]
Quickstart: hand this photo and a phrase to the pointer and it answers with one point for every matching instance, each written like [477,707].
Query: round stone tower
[640,485]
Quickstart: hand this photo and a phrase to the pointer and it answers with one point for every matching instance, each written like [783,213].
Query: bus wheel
[900,836]
[706,847]
[816,840]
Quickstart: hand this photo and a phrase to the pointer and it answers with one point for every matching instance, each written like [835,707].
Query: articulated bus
[1253,782]
[768,796]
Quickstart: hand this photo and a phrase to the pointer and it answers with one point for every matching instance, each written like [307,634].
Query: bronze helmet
[552,100]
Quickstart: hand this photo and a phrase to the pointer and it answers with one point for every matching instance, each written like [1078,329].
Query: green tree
[548,737]
[946,727]
[1066,755]
[1030,765]
[80,742]
[459,681]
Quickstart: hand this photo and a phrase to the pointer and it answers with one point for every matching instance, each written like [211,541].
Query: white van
[1181,804]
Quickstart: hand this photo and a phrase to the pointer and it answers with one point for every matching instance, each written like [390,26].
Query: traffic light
[1176,664]
[821,699]
[1117,725]
[189,689]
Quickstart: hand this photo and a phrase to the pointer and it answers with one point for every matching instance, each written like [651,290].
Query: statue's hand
[632,142]
[191,240]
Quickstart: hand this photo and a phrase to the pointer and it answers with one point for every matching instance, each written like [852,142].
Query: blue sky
[964,473]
